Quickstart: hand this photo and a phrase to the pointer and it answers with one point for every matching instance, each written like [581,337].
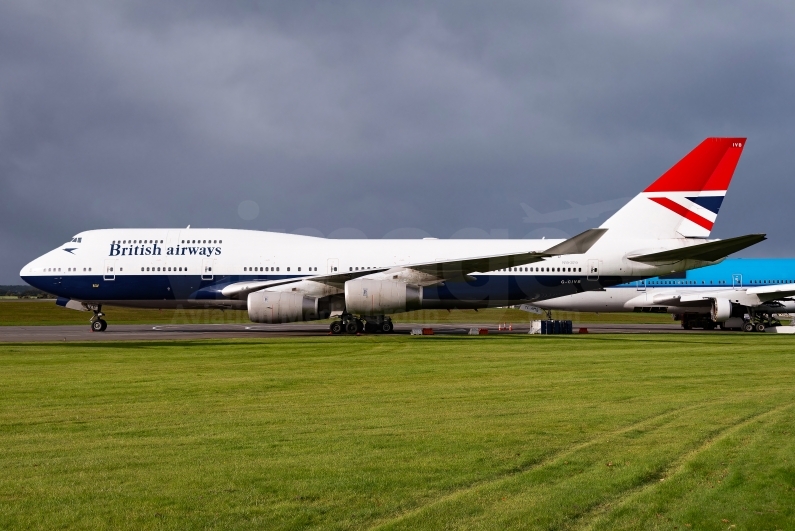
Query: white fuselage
[170,267]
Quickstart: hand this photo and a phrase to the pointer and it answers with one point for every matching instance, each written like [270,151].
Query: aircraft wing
[678,298]
[433,272]
[773,292]
[690,297]
[240,289]
[455,269]
[707,252]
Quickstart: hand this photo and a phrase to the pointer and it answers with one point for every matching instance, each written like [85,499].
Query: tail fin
[685,200]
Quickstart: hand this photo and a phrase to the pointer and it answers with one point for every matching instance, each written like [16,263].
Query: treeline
[23,292]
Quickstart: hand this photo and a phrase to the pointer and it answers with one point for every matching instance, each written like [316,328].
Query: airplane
[577,211]
[739,293]
[280,278]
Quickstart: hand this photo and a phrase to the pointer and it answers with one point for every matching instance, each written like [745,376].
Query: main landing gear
[758,321]
[371,325]
[98,324]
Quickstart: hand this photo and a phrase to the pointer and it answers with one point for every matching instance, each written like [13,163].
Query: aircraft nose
[29,269]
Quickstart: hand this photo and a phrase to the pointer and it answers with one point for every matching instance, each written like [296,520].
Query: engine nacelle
[378,297]
[721,310]
[281,307]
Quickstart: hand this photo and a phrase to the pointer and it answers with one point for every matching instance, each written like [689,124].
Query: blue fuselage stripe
[482,290]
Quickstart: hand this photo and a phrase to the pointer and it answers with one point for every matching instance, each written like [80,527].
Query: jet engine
[721,310]
[281,307]
[378,297]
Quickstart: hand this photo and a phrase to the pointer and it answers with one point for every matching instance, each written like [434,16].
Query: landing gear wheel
[336,327]
[387,327]
[759,327]
[370,328]
[100,325]
[709,326]
[748,326]
[351,327]
[359,327]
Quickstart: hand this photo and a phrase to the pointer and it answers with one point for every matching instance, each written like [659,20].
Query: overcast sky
[381,118]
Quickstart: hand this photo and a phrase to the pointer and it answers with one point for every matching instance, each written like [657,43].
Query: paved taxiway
[9,334]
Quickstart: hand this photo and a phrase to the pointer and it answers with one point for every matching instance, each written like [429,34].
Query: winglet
[579,244]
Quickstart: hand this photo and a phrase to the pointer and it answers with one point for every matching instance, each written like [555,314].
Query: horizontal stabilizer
[706,252]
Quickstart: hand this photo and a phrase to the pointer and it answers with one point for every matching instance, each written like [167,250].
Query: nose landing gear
[98,324]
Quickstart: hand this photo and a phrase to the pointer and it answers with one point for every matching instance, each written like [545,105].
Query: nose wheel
[98,324]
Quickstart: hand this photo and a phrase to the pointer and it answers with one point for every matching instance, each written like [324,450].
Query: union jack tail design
[685,200]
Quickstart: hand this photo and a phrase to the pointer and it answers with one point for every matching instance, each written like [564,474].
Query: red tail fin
[685,200]
[709,166]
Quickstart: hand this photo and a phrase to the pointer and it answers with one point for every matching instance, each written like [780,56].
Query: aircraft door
[642,285]
[333,265]
[593,269]
[172,238]
[737,281]
[109,273]
[207,268]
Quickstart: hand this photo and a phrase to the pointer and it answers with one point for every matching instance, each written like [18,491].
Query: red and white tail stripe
[685,200]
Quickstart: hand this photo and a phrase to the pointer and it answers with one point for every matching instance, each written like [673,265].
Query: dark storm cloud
[370,118]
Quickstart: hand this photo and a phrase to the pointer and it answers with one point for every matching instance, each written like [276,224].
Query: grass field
[45,312]
[515,432]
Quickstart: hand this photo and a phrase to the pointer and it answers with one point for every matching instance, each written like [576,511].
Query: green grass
[399,432]
[45,312]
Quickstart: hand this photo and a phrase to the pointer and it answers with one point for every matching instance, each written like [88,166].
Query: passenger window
[142,269]
[299,269]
